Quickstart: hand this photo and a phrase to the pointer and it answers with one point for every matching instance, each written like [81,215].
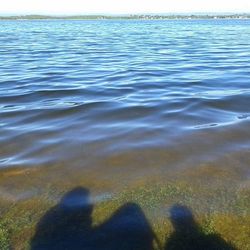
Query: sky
[68,7]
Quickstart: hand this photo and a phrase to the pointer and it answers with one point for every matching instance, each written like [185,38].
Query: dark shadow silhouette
[69,226]
[128,228]
[66,225]
[189,236]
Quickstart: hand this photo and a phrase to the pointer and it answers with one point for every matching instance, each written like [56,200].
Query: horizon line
[124,14]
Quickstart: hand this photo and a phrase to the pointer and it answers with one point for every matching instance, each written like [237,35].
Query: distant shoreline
[128,17]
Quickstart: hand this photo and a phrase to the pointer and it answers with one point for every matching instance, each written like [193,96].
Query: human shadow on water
[189,236]
[68,225]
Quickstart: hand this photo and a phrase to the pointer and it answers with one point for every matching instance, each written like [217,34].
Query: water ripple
[81,89]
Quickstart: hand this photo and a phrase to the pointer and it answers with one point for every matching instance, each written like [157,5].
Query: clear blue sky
[120,6]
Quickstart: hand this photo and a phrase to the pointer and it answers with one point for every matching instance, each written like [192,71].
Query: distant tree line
[97,17]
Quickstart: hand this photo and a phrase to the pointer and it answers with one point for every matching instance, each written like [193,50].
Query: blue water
[140,98]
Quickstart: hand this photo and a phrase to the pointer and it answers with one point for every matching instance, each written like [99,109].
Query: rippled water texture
[122,101]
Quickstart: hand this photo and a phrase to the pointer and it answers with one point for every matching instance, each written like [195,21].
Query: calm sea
[117,102]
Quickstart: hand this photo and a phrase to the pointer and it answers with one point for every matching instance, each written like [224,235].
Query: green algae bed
[221,210]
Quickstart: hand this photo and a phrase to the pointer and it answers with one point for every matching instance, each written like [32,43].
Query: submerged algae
[227,215]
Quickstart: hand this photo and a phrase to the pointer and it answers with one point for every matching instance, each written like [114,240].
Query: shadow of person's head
[129,217]
[189,235]
[182,219]
[128,228]
[66,224]
[77,197]
[76,205]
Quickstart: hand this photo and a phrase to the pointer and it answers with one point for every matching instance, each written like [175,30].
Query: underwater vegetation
[129,221]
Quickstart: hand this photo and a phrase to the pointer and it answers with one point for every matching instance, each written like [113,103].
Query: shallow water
[110,103]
